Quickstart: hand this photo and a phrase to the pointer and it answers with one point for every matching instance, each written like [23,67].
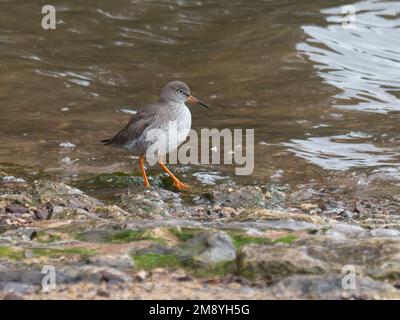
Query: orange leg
[177,184]
[146,181]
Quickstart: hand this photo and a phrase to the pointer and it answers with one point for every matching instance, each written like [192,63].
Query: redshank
[171,107]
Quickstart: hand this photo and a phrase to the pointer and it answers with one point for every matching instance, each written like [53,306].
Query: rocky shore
[227,242]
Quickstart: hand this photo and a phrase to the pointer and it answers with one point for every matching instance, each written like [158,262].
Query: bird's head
[178,91]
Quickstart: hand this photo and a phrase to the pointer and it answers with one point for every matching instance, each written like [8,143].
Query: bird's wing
[135,127]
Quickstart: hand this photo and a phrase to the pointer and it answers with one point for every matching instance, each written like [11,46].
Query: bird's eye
[180,91]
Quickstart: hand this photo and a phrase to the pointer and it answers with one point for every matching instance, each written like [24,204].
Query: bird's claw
[180,185]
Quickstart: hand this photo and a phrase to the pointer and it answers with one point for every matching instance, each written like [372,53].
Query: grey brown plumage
[134,128]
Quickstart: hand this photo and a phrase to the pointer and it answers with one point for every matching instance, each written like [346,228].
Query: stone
[41,214]
[208,249]
[115,261]
[329,287]
[300,196]
[111,212]
[259,214]
[19,275]
[17,288]
[16,208]
[246,196]
[59,212]
[378,258]
[280,253]
[163,234]
[344,230]
[60,194]
[20,234]
[276,262]
[144,204]
[91,273]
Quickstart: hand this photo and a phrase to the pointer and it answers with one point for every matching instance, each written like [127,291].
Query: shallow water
[322,98]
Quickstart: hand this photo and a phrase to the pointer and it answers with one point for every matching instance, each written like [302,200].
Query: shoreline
[236,242]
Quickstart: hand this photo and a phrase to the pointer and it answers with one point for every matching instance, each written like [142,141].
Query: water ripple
[364,61]
[342,152]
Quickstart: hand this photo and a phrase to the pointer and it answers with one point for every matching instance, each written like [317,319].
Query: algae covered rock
[246,196]
[144,203]
[276,262]
[60,194]
[208,249]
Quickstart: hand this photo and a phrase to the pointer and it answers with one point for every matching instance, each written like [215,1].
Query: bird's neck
[172,104]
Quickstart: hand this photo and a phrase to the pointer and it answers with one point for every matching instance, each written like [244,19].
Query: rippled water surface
[322,97]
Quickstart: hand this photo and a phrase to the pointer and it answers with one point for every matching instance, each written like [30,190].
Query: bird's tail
[106,141]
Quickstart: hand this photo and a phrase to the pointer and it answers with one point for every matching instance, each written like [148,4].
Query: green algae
[150,261]
[126,236]
[11,253]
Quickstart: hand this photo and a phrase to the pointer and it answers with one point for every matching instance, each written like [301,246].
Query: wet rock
[274,195]
[41,214]
[63,213]
[112,275]
[157,225]
[15,199]
[111,212]
[208,249]
[144,204]
[15,210]
[276,262]
[19,209]
[60,194]
[256,214]
[301,195]
[59,212]
[246,197]
[20,234]
[329,287]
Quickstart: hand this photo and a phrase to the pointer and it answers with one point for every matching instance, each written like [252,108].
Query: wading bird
[136,138]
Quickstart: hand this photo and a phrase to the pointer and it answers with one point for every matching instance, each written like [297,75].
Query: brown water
[323,99]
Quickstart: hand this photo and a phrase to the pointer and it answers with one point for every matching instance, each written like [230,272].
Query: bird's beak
[194,100]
